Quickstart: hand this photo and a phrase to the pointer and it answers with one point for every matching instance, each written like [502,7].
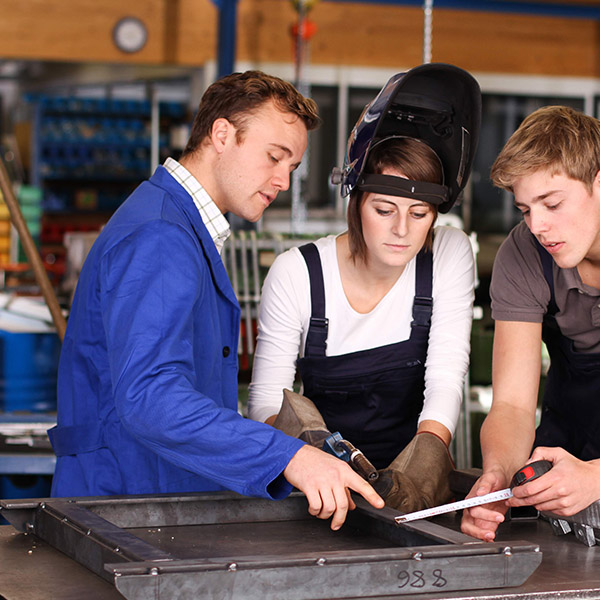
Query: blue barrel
[25,486]
[29,364]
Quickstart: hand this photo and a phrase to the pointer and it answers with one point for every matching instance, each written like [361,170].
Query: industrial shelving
[89,153]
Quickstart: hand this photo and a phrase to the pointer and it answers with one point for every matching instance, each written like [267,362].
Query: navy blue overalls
[571,406]
[372,397]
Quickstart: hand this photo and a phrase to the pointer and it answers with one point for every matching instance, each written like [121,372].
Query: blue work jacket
[147,381]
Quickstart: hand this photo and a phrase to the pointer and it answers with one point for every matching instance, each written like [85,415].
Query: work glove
[418,477]
[300,418]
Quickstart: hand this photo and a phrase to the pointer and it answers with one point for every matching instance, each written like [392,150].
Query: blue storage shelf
[92,141]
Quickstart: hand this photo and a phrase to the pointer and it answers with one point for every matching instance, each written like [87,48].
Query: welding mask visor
[436,103]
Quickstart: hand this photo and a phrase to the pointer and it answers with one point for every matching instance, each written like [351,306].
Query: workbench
[31,569]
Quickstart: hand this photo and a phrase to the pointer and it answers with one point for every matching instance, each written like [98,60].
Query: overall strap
[547,263]
[423,302]
[316,338]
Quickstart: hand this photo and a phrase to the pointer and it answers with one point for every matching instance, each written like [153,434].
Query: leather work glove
[300,418]
[418,477]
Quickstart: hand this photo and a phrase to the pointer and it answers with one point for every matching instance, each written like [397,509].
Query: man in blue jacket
[147,383]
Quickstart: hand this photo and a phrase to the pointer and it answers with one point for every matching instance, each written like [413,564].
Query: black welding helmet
[435,103]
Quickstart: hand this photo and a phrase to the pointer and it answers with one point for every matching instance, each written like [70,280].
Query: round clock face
[130,34]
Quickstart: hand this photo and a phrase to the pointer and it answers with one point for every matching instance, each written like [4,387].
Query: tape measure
[523,475]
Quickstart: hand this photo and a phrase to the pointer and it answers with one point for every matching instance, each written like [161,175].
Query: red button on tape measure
[530,472]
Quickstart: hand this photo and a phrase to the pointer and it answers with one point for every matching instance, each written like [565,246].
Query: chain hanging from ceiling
[427,30]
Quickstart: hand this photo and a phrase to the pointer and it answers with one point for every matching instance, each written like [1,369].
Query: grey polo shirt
[519,292]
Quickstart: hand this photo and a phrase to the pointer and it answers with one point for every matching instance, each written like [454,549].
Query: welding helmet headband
[435,103]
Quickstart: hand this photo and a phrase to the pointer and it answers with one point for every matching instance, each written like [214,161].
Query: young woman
[377,320]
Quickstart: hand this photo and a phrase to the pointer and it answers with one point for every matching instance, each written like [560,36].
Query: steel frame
[417,557]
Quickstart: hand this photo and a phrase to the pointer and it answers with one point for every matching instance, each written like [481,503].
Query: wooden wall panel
[508,43]
[183,32]
[75,30]
[197,22]
[347,34]
[367,34]
[264,30]
[391,36]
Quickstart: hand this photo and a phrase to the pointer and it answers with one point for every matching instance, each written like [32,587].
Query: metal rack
[247,256]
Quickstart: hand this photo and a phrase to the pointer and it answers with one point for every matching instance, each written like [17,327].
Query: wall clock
[130,34]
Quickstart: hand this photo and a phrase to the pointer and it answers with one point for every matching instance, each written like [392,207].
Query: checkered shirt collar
[213,219]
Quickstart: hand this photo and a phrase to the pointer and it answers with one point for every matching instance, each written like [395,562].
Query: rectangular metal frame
[422,557]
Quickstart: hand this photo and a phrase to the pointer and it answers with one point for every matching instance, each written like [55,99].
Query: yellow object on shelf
[5,231]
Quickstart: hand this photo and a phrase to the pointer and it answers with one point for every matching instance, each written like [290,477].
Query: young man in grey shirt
[546,286]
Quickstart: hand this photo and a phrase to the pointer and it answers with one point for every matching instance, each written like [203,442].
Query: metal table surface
[32,570]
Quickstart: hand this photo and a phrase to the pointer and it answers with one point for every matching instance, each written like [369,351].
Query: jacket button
[226,351]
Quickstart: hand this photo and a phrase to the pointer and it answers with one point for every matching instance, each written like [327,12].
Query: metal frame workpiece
[222,545]
[585,524]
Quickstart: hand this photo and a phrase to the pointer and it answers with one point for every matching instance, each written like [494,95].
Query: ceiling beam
[557,9]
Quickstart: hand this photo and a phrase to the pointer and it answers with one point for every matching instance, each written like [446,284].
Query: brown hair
[555,138]
[235,97]
[414,159]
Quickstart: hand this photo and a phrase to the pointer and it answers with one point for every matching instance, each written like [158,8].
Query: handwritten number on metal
[440,581]
[404,578]
[418,579]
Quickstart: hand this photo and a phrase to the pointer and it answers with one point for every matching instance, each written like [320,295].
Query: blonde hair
[555,138]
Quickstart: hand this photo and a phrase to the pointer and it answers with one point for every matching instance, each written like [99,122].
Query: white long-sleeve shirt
[285,312]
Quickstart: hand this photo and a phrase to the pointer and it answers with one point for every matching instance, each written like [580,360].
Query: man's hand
[569,487]
[482,521]
[326,481]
